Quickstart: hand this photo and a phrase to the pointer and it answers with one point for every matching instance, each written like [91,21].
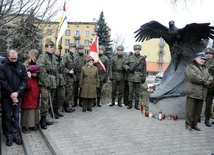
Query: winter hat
[33,69]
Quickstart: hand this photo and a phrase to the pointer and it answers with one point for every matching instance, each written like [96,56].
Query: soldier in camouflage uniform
[103,76]
[209,53]
[60,84]
[136,66]
[80,60]
[47,81]
[117,76]
[126,86]
[69,64]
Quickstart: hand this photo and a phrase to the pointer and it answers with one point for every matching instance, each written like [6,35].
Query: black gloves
[130,70]
[48,88]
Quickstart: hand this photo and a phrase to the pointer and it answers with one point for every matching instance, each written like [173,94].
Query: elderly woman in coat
[89,82]
[198,80]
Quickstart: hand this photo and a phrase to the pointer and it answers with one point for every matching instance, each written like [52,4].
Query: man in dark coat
[13,81]
[198,80]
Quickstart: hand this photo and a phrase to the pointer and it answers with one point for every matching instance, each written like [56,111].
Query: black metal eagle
[184,43]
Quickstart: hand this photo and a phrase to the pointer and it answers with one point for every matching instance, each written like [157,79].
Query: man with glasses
[136,67]
[209,53]
[13,81]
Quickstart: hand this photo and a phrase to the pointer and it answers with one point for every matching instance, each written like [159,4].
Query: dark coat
[195,77]
[13,78]
[31,94]
[89,82]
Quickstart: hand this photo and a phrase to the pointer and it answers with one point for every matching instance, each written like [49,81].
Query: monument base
[169,106]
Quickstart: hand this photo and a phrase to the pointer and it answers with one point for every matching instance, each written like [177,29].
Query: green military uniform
[47,83]
[209,99]
[103,76]
[136,66]
[69,64]
[80,60]
[88,82]
[60,86]
[117,76]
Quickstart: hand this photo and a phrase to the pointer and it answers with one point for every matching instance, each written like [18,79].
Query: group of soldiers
[59,78]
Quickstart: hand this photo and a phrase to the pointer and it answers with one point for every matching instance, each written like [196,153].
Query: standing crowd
[45,83]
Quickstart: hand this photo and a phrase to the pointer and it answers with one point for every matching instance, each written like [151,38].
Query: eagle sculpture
[184,43]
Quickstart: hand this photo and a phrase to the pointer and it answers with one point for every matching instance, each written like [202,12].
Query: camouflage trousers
[117,89]
[45,99]
[134,91]
[76,89]
[209,102]
[69,93]
[59,97]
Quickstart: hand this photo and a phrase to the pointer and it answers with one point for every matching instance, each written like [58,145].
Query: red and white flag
[94,53]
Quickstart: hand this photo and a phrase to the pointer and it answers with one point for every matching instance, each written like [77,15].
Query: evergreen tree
[102,31]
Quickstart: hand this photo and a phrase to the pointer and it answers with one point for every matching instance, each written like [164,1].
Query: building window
[87,33]
[86,42]
[86,52]
[160,66]
[49,31]
[67,41]
[160,59]
[77,32]
[67,32]
[77,42]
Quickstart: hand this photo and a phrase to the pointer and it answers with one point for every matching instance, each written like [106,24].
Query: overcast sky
[125,16]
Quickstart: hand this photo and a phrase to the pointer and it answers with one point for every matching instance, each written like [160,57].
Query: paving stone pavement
[119,131]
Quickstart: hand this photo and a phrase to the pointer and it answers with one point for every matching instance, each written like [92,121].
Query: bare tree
[118,39]
[25,15]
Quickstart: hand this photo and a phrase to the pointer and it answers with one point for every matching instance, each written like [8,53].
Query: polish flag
[94,53]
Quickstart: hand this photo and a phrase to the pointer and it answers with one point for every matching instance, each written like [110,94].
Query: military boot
[207,121]
[137,105]
[58,113]
[53,114]
[119,102]
[80,102]
[129,105]
[48,122]
[75,102]
[42,122]
[112,102]
[98,102]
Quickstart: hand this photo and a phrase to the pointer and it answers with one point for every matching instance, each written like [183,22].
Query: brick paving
[118,131]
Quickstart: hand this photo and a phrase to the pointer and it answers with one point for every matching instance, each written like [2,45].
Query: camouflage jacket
[47,67]
[139,62]
[80,61]
[60,79]
[209,63]
[69,63]
[103,76]
[116,71]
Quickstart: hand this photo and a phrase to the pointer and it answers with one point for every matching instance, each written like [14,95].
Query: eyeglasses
[137,49]
[13,59]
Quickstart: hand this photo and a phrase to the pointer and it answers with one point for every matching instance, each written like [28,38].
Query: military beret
[33,69]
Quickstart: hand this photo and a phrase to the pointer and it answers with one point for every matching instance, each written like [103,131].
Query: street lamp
[8,27]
